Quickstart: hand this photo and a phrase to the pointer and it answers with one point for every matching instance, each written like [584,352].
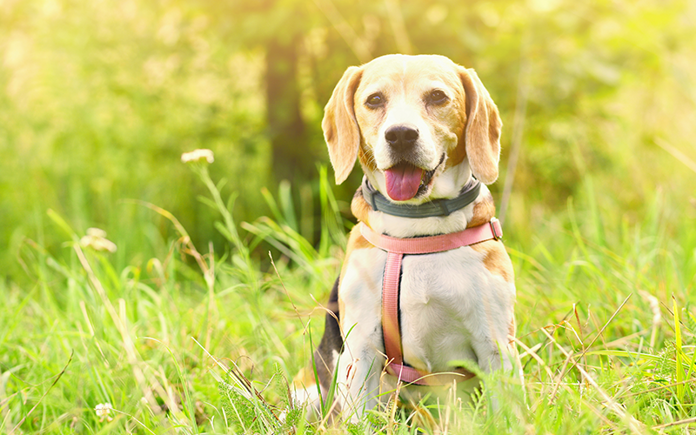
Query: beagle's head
[420,126]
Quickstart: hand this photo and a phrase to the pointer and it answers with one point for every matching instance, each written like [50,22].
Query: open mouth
[406,181]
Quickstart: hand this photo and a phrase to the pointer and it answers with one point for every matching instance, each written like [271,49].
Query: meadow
[203,297]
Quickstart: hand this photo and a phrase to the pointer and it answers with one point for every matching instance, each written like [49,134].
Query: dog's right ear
[340,127]
[483,126]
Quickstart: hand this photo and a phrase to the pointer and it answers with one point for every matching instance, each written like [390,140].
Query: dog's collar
[436,207]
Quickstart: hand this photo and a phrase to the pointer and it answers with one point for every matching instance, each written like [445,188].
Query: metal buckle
[496,229]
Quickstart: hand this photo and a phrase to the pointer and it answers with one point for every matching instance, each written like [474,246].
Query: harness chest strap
[396,249]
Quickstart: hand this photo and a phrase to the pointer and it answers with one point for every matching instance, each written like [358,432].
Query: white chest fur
[452,307]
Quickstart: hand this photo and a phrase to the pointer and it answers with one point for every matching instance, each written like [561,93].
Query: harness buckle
[444,209]
[496,228]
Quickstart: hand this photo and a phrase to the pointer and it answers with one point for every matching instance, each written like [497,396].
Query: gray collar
[436,207]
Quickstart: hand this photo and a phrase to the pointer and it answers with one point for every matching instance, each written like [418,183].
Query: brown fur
[482,130]
[496,259]
[456,155]
[355,241]
[340,127]
[359,207]
[366,159]
[304,379]
[484,211]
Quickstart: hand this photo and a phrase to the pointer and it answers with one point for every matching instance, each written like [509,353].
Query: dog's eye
[437,97]
[375,100]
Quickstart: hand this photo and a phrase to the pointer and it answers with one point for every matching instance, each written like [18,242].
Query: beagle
[426,282]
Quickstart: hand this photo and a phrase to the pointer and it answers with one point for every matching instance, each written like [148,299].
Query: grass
[98,100]
[197,341]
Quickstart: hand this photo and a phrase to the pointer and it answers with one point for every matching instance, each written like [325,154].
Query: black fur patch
[330,342]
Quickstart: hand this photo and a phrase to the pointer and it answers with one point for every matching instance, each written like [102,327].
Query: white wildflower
[96,239]
[197,156]
[103,411]
[96,232]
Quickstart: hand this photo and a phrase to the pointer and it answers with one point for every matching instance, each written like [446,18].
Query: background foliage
[99,99]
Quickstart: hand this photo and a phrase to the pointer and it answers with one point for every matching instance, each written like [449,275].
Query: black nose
[401,136]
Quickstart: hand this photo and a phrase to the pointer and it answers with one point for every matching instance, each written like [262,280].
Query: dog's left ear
[483,125]
[340,127]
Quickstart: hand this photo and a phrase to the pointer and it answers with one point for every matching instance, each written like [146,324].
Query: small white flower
[103,411]
[96,239]
[197,156]
[96,232]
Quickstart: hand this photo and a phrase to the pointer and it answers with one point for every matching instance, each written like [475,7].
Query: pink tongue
[403,181]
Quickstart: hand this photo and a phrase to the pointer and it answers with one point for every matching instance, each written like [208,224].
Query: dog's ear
[483,125]
[340,127]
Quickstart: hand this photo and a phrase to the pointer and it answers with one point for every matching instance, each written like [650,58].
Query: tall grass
[203,341]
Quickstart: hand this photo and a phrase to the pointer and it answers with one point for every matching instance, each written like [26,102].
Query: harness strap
[391,285]
[428,245]
[390,307]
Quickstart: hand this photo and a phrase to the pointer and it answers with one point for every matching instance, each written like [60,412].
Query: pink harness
[396,249]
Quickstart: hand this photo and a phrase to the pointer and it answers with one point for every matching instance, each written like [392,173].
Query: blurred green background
[99,99]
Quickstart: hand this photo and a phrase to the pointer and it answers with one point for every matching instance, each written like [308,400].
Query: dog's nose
[401,137]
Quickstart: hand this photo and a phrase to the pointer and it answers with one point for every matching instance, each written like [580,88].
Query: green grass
[99,99]
[202,341]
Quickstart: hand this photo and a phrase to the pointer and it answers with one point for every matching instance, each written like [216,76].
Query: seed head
[96,239]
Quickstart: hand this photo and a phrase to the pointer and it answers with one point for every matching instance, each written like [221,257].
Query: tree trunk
[292,160]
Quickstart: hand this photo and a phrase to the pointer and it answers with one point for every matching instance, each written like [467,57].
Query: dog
[426,282]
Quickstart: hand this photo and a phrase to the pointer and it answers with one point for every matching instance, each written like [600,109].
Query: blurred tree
[278,27]
[286,127]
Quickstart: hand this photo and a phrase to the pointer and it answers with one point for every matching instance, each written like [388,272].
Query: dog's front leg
[360,301]
[359,369]
[494,353]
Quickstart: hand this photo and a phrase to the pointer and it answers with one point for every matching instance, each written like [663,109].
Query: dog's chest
[448,301]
